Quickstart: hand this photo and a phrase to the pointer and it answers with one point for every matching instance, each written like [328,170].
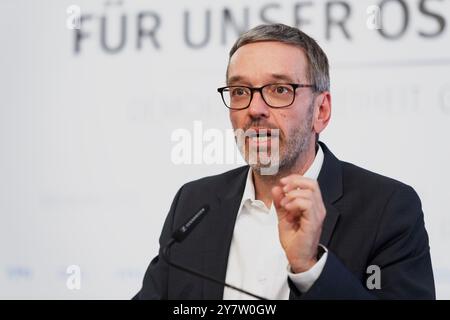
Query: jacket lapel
[330,182]
[217,245]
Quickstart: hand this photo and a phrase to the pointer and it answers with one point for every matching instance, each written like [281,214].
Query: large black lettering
[79,33]
[405,16]
[298,20]
[103,35]
[187,30]
[228,20]
[151,33]
[263,12]
[439,19]
[333,21]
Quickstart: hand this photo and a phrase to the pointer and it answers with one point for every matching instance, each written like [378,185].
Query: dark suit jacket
[370,220]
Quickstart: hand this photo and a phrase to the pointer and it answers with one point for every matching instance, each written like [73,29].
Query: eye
[282,89]
[238,91]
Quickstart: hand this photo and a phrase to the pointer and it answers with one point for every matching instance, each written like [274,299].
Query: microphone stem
[166,258]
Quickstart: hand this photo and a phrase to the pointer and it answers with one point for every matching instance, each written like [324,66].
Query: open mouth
[261,135]
[261,132]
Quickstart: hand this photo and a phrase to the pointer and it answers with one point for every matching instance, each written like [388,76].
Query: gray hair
[318,72]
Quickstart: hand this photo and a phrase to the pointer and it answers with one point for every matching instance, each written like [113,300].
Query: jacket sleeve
[400,250]
[154,286]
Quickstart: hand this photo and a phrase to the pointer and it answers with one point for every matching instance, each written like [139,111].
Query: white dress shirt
[257,262]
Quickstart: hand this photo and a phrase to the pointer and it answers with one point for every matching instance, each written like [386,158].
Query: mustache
[260,125]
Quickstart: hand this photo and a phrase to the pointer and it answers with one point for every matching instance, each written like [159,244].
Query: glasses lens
[278,95]
[236,97]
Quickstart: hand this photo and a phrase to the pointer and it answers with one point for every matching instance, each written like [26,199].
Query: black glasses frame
[260,90]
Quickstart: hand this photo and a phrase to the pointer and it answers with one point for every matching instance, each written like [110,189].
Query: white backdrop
[86,173]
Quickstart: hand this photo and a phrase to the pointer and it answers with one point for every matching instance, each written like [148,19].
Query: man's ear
[322,111]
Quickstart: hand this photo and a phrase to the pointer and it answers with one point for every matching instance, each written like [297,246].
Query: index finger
[296,181]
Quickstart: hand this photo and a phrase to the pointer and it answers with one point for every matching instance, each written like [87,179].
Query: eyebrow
[234,79]
[275,76]
[282,77]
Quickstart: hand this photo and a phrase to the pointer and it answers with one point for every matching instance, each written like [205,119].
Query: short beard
[297,144]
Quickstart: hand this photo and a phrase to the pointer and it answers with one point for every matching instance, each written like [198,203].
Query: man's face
[261,63]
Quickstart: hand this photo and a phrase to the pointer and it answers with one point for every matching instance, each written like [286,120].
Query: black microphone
[179,235]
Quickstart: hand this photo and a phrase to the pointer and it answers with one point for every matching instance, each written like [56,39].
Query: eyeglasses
[275,95]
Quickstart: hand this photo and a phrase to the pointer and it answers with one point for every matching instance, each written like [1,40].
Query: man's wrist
[304,281]
[305,267]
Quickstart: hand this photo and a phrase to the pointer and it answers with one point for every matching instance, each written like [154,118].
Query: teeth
[259,135]
[263,134]
[260,139]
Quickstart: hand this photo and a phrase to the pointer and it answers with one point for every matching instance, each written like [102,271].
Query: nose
[258,108]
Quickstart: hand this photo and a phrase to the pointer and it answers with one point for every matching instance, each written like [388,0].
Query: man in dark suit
[303,225]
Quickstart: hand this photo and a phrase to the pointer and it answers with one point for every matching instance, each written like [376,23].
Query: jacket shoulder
[210,183]
[363,179]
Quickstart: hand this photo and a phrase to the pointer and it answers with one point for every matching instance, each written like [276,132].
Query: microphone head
[182,232]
